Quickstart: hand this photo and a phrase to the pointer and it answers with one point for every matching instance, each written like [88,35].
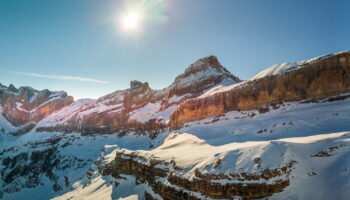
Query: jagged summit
[208,61]
[137,86]
[202,75]
[203,68]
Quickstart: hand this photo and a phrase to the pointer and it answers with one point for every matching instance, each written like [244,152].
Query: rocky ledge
[193,176]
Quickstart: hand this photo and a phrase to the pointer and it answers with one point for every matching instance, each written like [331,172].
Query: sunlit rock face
[316,80]
[139,108]
[205,89]
[25,104]
[201,75]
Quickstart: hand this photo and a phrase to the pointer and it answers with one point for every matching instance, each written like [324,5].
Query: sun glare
[131,20]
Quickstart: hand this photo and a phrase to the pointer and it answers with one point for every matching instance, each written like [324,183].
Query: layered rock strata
[316,80]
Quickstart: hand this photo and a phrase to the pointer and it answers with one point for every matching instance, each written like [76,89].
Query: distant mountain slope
[139,108]
[279,69]
[319,78]
[25,105]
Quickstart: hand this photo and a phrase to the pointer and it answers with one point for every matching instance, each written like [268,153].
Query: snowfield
[315,135]
[313,172]
[289,66]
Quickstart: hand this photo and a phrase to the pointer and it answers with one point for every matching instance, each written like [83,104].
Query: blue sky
[78,45]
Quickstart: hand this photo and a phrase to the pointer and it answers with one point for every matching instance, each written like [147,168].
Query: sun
[131,20]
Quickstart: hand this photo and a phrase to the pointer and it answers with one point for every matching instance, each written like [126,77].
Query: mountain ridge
[142,109]
[283,135]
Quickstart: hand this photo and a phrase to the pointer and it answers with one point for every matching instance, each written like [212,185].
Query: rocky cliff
[316,79]
[26,105]
[139,108]
[205,89]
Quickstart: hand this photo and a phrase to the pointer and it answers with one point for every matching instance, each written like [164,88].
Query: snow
[148,109]
[46,102]
[4,124]
[86,148]
[175,98]
[65,113]
[19,107]
[192,153]
[295,131]
[152,111]
[188,151]
[278,69]
[32,98]
[222,88]
[81,108]
[208,72]
[99,108]
[291,119]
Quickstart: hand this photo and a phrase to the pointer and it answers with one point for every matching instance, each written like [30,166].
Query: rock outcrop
[167,179]
[316,80]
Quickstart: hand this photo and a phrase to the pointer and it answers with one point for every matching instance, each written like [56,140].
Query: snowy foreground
[322,170]
[314,135]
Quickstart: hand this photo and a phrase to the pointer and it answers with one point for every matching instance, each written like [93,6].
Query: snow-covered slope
[320,163]
[314,135]
[278,69]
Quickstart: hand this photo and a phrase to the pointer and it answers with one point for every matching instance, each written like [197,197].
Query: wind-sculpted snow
[296,160]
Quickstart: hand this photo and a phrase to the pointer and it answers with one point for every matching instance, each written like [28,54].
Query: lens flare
[134,17]
[131,20]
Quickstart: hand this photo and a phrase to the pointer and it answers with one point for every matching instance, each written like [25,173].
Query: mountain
[139,108]
[283,134]
[311,80]
[24,106]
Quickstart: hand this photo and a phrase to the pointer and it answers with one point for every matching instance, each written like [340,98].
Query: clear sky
[80,46]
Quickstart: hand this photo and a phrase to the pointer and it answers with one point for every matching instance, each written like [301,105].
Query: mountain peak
[138,85]
[202,63]
[205,68]
[12,88]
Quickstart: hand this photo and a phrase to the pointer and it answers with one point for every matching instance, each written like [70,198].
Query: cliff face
[203,184]
[25,105]
[139,108]
[199,177]
[314,80]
